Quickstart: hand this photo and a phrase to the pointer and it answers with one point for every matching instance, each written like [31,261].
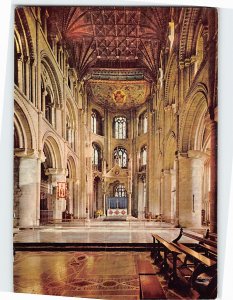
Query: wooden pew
[201,263]
[166,247]
[210,235]
[150,287]
[207,246]
[207,291]
[190,267]
[208,250]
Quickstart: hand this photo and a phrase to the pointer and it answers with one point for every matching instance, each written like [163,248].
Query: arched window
[121,157]
[142,124]
[96,157]
[120,127]
[49,107]
[143,158]
[120,191]
[96,122]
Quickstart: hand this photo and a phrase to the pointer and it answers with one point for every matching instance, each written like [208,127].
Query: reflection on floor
[100,275]
[119,232]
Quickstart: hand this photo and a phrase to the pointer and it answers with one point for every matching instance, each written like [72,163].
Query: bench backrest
[195,237]
[196,255]
[166,244]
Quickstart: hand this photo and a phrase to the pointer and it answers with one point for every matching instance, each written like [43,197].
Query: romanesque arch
[51,79]
[53,149]
[23,127]
[194,112]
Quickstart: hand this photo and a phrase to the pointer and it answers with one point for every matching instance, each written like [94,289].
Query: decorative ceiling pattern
[119,95]
[112,36]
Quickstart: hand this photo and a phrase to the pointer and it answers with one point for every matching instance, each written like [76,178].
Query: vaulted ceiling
[112,38]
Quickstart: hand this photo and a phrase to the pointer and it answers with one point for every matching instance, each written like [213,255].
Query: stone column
[173,195]
[161,193]
[104,204]
[167,195]
[29,185]
[129,204]
[59,204]
[191,169]
[20,71]
[213,176]
[26,76]
[70,198]
[33,82]
[141,197]
[76,202]
[181,78]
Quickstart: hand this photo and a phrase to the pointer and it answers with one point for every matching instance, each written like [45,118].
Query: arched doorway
[52,184]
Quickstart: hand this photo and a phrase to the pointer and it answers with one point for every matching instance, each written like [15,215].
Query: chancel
[115,152]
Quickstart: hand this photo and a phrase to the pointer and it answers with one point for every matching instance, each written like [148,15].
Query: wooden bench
[166,247]
[201,263]
[206,291]
[145,267]
[201,240]
[208,250]
[150,287]
[211,235]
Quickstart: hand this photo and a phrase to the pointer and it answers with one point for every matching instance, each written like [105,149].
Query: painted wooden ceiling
[109,38]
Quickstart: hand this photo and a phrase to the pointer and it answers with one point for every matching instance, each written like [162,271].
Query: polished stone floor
[100,232]
[99,275]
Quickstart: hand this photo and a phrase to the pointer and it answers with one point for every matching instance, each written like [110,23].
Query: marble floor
[98,275]
[102,232]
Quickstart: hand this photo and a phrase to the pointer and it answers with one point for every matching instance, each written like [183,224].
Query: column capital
[197,154]
[26,153]
[181,64]
[54,171]
[166,172]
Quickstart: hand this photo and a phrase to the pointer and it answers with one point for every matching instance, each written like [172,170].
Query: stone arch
[188,29]
[53,149]
[97,156]
[99,144]
[195,111]
[71,111]
[23,128]
[53,77]
[22,15]
[97,121]
[71,123]
[18,42]
[142,122]
[19,28]
[72,168]
[170,79]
